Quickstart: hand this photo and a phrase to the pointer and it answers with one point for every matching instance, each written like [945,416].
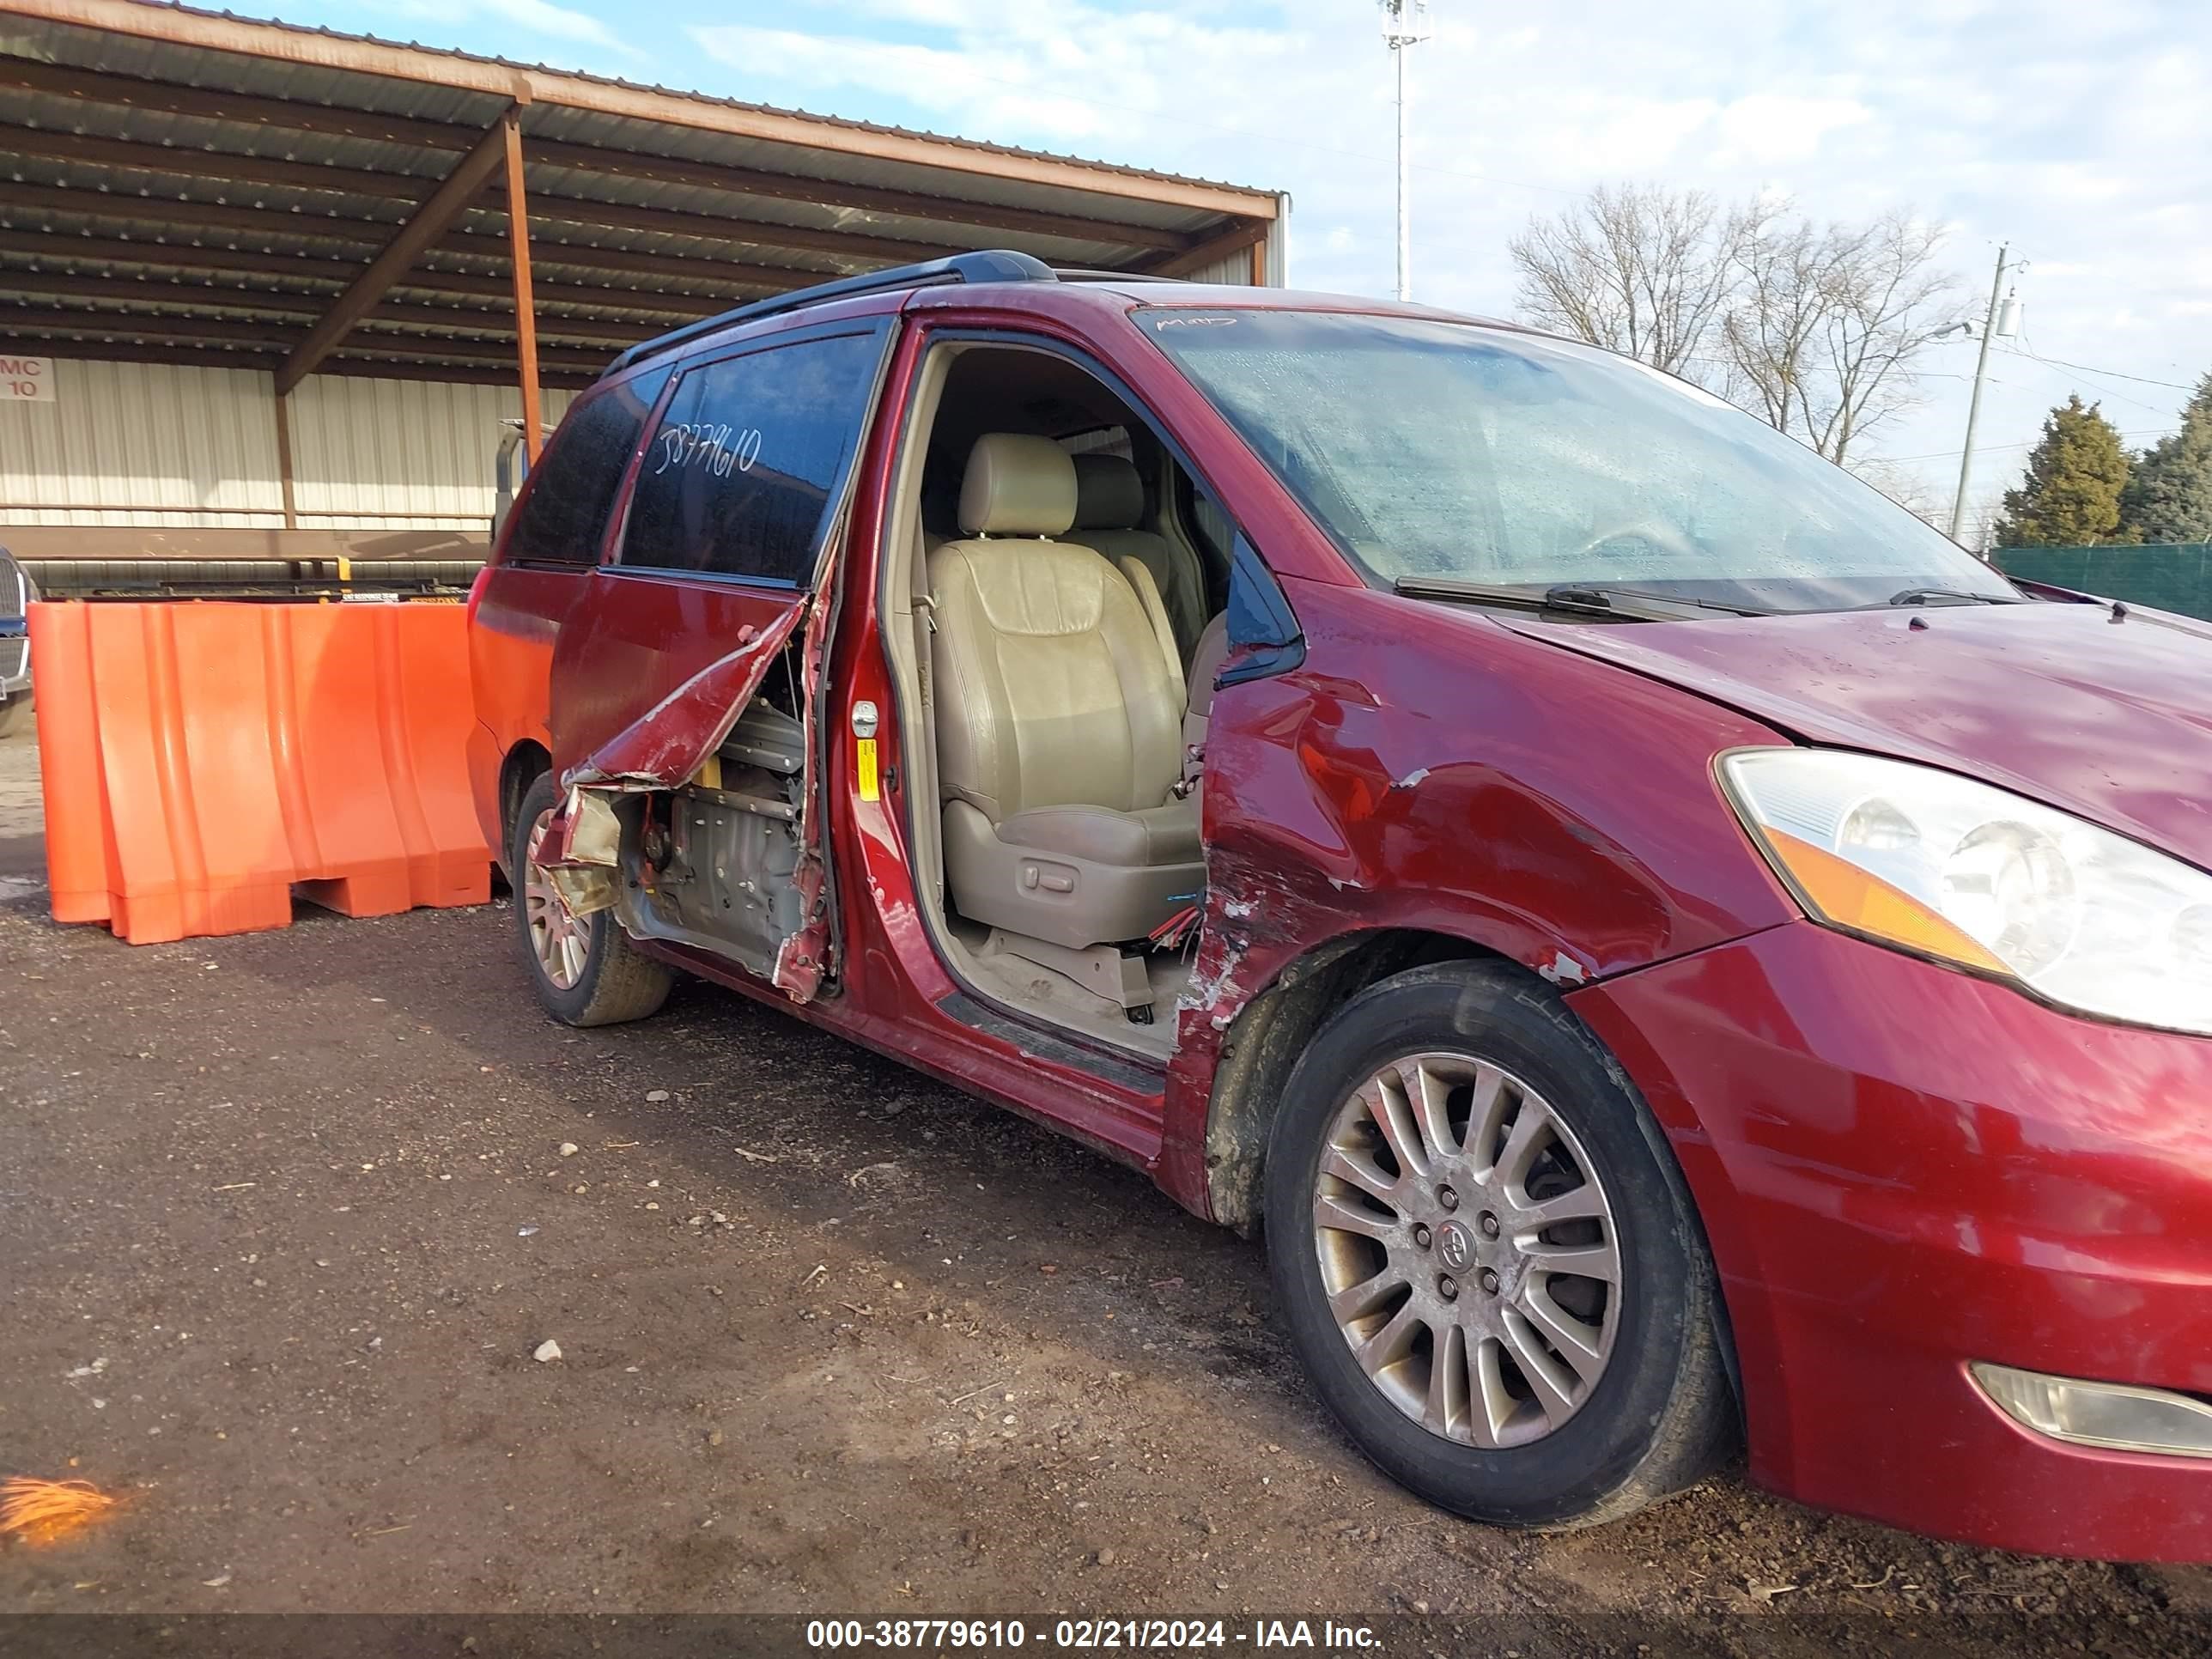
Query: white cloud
[1003,86]
[1601,135]
[1022,71]
[1770,128]
[540,18]
[944,14]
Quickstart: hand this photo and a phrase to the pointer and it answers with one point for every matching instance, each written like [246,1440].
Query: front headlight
[1977,876]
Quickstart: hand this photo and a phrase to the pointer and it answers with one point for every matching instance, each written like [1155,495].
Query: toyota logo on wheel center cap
[1456,1245]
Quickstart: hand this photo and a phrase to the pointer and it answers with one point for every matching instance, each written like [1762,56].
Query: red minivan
[1666,946]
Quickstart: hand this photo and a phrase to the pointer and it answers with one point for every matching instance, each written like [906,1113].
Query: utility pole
[1405,25]
[1990,328]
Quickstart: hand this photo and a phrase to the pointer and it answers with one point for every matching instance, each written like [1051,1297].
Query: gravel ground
[284,1217]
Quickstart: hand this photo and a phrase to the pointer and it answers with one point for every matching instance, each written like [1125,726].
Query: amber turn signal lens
[1842,893]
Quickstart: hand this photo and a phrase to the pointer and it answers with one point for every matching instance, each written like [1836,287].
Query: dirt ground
[283,1218]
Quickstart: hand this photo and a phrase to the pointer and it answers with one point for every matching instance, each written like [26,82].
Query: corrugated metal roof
[168,163]
[450,107]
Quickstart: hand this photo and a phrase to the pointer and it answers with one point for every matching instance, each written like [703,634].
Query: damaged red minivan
[1666,946]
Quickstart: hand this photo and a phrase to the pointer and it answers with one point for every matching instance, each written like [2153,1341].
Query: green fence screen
[2168,578]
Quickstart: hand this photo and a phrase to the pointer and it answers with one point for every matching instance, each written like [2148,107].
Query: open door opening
[1049,597]
[719,862]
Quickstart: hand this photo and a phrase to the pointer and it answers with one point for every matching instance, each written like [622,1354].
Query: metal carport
[293,279]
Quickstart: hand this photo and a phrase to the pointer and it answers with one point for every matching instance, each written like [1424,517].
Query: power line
[2085,368]
[2093,377]
[1945,454]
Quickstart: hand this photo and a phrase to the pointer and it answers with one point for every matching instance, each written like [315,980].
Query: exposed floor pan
[1040,992]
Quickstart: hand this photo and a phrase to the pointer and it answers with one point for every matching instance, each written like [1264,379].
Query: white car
[16,593]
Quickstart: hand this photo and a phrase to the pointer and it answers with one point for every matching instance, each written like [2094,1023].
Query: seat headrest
[1108,493]
[1016,485]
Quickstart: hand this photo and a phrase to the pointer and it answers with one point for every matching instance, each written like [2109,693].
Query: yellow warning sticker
[864,758]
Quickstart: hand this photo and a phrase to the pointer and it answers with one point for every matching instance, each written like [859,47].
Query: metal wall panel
[1235,271]
[142,444]
[1236,268]
[399,454]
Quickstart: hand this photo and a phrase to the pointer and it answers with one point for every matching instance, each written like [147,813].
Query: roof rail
[995,265]
[1076,274]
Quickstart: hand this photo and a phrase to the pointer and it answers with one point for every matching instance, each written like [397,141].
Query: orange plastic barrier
[201,762]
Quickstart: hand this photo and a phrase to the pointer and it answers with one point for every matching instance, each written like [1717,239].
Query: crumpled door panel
[646,691]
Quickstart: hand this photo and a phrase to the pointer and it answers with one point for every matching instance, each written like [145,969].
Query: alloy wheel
[1467,1249]
[562,942]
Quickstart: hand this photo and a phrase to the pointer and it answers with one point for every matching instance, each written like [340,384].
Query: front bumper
[1904,1169]
[15,660]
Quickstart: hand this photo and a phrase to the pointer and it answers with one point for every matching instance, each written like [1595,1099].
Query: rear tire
[586,971]
[1427,1267]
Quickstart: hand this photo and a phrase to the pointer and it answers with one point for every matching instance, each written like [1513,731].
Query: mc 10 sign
[26,379]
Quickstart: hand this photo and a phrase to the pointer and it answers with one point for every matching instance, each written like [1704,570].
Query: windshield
[1451,451]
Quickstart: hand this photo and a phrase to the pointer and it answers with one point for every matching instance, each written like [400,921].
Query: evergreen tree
[2071,495]
[2169,493]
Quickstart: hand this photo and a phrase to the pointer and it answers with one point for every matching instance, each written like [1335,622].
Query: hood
[2109,720]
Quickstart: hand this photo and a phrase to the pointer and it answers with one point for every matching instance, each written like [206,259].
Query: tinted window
[565,508]
[739,475]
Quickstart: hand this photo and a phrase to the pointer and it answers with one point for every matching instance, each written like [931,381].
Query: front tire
[1487,1258]
[585,970]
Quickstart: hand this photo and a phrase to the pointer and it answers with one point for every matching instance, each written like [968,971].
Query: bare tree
[1909,489]
[1887,298]
[1775,314]
[1644,271]
[1815,329]
[1828,322]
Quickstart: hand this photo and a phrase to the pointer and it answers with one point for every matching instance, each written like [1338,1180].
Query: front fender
[1426,771]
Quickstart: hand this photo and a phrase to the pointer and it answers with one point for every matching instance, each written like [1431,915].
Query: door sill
[1054,1045]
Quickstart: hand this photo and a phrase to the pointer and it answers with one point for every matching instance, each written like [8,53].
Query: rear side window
[739,476]
[562,516]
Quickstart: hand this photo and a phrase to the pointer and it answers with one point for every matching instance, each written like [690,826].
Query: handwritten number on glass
[716,451]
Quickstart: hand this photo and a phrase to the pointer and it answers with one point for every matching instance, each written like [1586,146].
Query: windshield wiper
[1520,598]
[1609,596]
[1922,595]
[1580,598]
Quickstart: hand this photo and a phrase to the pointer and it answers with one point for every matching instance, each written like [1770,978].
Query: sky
[2077,131]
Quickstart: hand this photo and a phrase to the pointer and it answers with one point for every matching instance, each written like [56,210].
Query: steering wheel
[1665,537]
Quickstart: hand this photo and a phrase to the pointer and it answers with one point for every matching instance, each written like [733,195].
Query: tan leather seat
[1059,718]
[1110,501]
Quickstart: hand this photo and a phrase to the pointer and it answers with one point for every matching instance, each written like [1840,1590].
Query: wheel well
[521,767]
[1262,1048]
[1264,1044]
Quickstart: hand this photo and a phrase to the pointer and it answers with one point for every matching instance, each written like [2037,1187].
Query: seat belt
[925,739]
